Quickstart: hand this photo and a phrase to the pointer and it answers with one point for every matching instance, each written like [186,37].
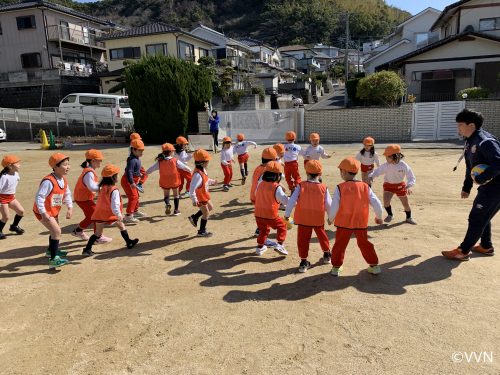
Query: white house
[306,61]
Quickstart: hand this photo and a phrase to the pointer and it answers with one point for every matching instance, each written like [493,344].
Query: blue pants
[484,208]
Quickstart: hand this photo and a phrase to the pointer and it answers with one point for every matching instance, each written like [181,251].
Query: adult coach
[480,148]
[213,121]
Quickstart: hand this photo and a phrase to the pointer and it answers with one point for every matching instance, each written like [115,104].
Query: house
[152,39]
[326,50]
[47,51]
[407,37]
[467,54]
[305,56]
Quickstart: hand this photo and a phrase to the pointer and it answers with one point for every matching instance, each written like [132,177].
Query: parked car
[103,109]
[297,102]
[3,135]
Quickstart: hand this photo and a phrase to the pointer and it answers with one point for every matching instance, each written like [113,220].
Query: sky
[415,7]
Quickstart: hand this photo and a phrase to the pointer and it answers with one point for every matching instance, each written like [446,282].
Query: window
[424,39]
[123,102]
[88,100]
[489,24]
[204,52]
[31,60]
[125,53]
[156,49]
[105,102]
[26,22]
[69,99]
[186,51]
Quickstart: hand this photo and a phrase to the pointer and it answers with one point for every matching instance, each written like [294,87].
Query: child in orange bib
[312,200]
[130,180]
[349,212]
[143,175]
[9,178]
[108,209]
[180,146]
[169,176]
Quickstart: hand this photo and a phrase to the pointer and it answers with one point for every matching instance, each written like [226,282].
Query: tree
[383,88]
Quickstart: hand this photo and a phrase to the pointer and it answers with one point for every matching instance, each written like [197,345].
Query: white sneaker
[103,239]
[281,249]
[82,235]
[270,243]
[261,250]
[130,219]
[411,221]
[374,270]
[140,214]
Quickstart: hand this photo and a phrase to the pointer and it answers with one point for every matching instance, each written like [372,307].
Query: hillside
[278,22]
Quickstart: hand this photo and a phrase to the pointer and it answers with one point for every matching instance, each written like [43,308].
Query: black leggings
[215,134]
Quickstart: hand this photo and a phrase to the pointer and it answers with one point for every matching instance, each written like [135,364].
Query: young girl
[241,150]
[144,176]
[130,180]
[199,192]
[108,209]
[52,194]
[368,158]
[85,189]
[180,154]
[169,176]
[226,161]
[313,200]
[395,171]
[9,178]
[314,151]
[292,152]
[268,196]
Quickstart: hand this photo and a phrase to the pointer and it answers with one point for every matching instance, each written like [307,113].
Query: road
[334,100]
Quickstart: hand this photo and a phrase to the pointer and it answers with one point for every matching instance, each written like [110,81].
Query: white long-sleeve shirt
[196,183]
[115,203]
[44,191]
[374,202]
[368,159]
[179,164]
[226,155]
[315,153]
[241,147]
[295,197]
[279,194]
[183,156]
[89,182]
[395,173]
[8,183]
[292,152]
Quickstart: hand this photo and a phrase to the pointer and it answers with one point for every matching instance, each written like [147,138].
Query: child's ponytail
[85,164]
[4,171]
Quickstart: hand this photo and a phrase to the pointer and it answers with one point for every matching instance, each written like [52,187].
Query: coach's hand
[464,195]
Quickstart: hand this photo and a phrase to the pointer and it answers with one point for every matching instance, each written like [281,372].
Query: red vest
[54,201]
[259,171]
[103,210]
[82,192]
[310,208]
[354,205]
[266,205]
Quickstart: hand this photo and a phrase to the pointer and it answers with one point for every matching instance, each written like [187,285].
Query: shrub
[382,88]
[351,87]
[473,93]
[259,90]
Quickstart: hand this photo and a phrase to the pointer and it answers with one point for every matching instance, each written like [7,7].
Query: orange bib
[266,205]
[169,175]
[103,210]
[82,192]
[310,209]
[54,201]
[202,193]
[354,205]
[259,171]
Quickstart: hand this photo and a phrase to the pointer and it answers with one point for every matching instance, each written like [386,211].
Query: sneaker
[257,232]
[388,219]
[327,257]
[140,214]
[185,194]
[411,221]
[2,236]
[282,207]
[204,233]
[304,265]
[140,188]
[193,221]
[59,253]
[103,240]
[177,212]
[270,243]
[168,209]
[456,254]
[57,262]
[336,271]
[87,253]
[374,270]
[81,235]
[481,250]
[281,249]
[17,229]
[260,250]
[230,185]
[130,219]
[132,243]
[243,180]
[225,188]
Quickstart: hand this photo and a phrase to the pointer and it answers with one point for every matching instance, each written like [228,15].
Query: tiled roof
[293,48]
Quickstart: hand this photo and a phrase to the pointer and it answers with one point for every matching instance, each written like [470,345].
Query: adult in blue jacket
[480,148]
[213,121]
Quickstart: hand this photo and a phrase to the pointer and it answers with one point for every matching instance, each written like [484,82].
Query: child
[292,152]
[199,192]
[52,194]
[368,158]
[241,150]
[395,171]
[169,176]
[314,151]
[108,209]
[268,196]
[85,189]
[180,154]
[280,150]
[226,161]
[9,178]
[349,213]
[143,174]
[313,200]
[130,180]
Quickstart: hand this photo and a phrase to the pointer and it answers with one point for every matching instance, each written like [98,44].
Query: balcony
[80,36]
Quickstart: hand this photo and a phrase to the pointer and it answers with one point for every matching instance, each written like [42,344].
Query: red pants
[185,175]
[132,194]
[88,208]
[144,177]
[265,226]
[342,238]
[292,175]
[304,237]
[398,189]
[243,158]
[228,173]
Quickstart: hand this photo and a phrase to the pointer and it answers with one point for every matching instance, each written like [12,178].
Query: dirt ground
[178,304]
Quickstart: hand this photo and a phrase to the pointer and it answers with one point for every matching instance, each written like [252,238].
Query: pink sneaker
[82,235]
[103,240]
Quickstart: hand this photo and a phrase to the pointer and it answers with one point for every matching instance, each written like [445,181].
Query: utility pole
[359,47]
[346,58]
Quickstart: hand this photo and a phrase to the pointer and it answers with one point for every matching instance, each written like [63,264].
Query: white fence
[435,120]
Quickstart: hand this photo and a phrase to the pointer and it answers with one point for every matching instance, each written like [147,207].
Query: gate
[435,121]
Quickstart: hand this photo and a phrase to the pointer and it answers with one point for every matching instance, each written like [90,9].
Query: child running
[368,158]
[108,209]
[143,176]
[313,200]
[226,162]
[292,152]
[9,178]
[52,194]
[170,179]
[395,170]
[241,150]
[85,190]
[349,213]
[268,196]
[314,151]
[181,144]
[199,192]
[130,179]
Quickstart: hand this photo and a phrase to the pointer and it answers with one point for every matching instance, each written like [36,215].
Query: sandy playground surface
[178,304]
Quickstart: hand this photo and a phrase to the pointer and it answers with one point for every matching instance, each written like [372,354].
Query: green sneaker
[59,253]
[336,271]
[57,262]
[374,270]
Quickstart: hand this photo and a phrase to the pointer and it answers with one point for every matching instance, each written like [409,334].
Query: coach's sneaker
[17,229]
[57,262]
[204,233]
[411,221]
[140,214]
[168,209]
[80,234]
[103,239]
[485,251]
[60,253]
[140,188]
[388,219]
[281,249]
[193,221]
[130,219]
[374,270]
[304,265]
[456,254]
[327,257]
[261,250]
[336,271]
